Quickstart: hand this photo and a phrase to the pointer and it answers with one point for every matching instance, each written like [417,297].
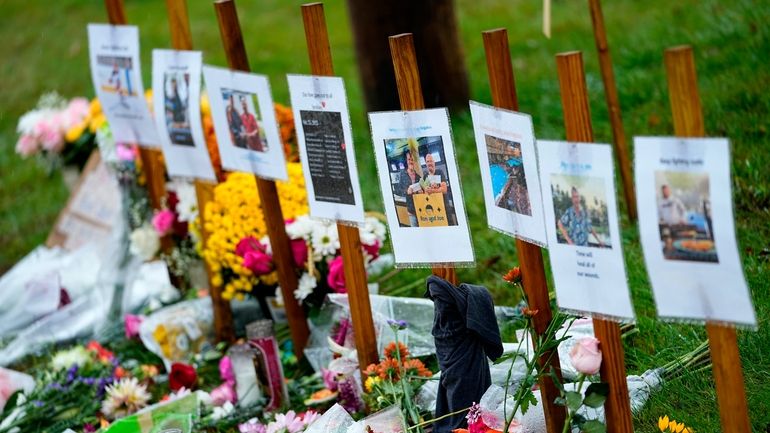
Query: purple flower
[38,403]
[398,324]
[71,372]
[348,396]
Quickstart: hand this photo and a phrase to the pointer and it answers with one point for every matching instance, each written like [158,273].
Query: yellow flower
[370,382]
[679,427]
[75,132]
[97,122]
[663,423]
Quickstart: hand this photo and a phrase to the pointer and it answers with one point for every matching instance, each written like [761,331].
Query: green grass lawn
[45,48]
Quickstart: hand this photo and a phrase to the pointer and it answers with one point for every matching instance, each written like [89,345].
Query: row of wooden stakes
[688,122]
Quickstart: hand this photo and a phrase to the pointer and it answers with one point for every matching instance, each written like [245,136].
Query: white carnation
[305,286]
[144,242]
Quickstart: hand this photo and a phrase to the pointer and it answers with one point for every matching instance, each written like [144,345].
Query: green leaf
[574,400]
[594,426]
[596,393]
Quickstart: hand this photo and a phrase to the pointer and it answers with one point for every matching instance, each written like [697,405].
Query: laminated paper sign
[117,78]
[506,146]
[326,147]
[244,122]
[421,187]
[687,229]
[581,218]
[176,85]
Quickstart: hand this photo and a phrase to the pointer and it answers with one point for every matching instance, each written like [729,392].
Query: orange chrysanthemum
[513,276]
[390,351]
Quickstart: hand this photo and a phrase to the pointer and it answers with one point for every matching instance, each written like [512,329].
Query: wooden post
[577,122]
[723,341]
[232,39]
[181,39]
[410,95]
[613,106]
[503,86]
[350,242]
[152,159]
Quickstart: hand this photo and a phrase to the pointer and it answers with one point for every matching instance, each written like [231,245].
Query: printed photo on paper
[176,82]
[419,184]
[245,123]
[580,206]
[505,143]
[117,77]
[684,216]
[581,217]
[325,143]
[421,189]
[687,229]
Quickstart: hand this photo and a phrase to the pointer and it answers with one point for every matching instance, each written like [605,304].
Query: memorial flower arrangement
[60,131]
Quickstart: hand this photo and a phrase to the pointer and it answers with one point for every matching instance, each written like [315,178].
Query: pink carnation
[132,324]
[27,145]
[163,221]
[336,277]
[222,394]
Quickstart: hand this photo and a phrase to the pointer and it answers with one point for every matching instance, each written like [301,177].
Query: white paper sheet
[425,228]
[248,138]
[117,77]
[581,218]
[326,149]
[687,229]
[176,91]
[505,141]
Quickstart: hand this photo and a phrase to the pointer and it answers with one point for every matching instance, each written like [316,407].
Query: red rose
[181,376]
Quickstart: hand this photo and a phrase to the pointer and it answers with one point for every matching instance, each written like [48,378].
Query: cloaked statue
[466,334]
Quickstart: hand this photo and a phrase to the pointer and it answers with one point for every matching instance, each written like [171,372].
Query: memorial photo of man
[575,223]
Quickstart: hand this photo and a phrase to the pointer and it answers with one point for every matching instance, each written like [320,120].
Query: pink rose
[163,221]
[247,244]
[51,136]
[299,252]
[77,110]
[222,394]
[226,370]
[132,323]
[336,277]
[373,250]
[586,356]
[26,146]
[125,152]
[258,262]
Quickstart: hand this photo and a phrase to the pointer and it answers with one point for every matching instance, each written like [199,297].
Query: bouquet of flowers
[59,130]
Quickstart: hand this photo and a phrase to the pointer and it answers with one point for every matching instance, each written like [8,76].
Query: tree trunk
[439,53]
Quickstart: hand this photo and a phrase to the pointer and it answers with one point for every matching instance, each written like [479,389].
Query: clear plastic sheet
[418,312]
[334,420]
[389,420]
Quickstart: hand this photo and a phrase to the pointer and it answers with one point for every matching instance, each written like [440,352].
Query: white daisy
[301,227]
[325,241]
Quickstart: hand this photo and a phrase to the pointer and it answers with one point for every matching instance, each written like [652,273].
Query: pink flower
[125,152]
[163,221]
[26,146]
[336,277]
[290,421]
[76,111]
[310,416]
[329,378]
[586,356]
[50,134]
[247,244]
[222,394]
[226,370]
[299,252]
[252,426]
[258,262]
[132,323]
[373,250]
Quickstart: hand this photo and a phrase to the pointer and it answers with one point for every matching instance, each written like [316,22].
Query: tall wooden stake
[232,39]
[725,357]
[152,159]
[181,39]
[410,95]
[613,106]
[350,242]
[577,122]
[503,86]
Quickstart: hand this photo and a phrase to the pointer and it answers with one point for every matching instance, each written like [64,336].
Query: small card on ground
[581,218]
[176,85]
[326,147]
[421,187]
[117,78]
[244,122]
[505,141]
[688,231]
